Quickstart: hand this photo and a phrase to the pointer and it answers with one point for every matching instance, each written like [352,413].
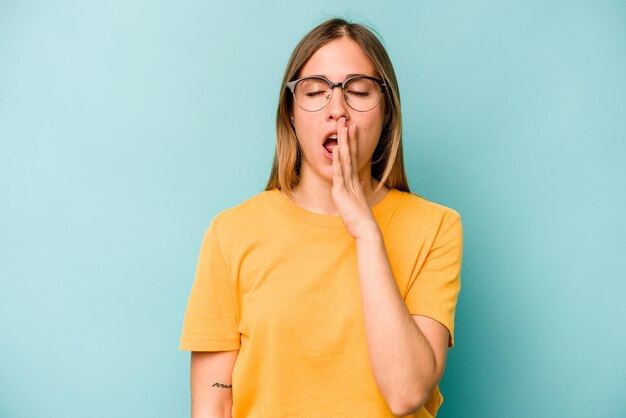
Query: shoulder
[425,224]
[243,216]
[422,211]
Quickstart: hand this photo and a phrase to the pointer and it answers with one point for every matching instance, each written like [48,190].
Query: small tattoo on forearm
[219,385]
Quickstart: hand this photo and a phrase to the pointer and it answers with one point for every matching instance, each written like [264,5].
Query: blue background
[125,126]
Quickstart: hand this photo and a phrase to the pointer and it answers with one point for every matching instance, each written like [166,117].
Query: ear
[293,127]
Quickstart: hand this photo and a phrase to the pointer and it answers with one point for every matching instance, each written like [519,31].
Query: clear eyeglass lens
[361,94]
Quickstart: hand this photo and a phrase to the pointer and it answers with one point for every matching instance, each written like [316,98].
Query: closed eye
[359,93]
[314,93]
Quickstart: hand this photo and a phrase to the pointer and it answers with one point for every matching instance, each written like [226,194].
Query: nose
[337,106]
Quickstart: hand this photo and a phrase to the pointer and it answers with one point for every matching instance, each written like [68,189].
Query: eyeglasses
[312,93]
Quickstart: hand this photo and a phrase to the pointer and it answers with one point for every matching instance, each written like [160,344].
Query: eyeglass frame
[291,85]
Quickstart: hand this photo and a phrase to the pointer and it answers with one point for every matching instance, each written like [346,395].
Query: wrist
[369,234]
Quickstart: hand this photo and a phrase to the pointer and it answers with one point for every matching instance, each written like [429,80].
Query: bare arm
[407,352]
[211,380]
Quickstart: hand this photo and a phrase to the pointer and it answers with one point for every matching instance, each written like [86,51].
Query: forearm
[402,361]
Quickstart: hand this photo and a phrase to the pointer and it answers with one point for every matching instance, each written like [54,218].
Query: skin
[407,352]
[336,61]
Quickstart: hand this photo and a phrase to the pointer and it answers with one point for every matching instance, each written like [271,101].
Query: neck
[314,193]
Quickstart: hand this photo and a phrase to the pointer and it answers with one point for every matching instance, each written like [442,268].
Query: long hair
[387,160]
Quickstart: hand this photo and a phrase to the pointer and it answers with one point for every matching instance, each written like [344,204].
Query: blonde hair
[387,160]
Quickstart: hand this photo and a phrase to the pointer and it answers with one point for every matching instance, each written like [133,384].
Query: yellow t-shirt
[280,284]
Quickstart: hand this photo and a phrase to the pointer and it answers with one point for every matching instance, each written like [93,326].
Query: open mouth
[330,142]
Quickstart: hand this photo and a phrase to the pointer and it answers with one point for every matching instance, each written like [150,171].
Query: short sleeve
[435,286]
[210,319]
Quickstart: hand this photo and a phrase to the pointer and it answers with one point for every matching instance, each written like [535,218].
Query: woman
[332,293]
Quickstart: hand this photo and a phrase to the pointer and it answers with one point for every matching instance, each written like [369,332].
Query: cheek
[368,134]
[306,131]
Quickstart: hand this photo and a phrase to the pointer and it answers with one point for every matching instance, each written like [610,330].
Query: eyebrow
[347,76]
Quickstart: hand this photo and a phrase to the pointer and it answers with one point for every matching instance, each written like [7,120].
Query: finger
[342,139]
[353,148]
[337,172]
